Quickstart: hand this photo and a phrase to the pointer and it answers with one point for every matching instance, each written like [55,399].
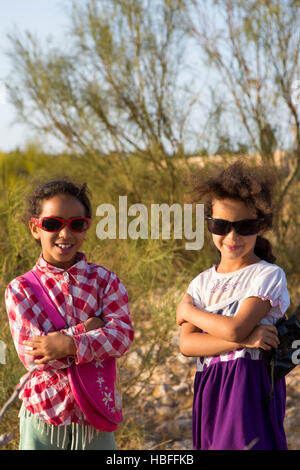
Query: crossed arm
[109,336]
[57,345]
[223,333]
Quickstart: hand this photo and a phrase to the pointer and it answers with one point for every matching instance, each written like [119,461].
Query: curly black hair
[52,188]
[254,186]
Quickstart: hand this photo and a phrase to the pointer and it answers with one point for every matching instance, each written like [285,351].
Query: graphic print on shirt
[223,287]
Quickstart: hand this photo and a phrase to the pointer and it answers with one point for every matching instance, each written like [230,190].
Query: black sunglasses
[242,227]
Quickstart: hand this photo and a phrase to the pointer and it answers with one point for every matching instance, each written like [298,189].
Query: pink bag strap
[44,299]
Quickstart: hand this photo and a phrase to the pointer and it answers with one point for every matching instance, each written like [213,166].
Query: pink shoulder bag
[93,383]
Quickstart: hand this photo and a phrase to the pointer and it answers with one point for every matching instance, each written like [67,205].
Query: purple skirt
[230,409]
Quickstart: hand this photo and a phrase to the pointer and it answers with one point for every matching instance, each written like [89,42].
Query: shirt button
[66,276]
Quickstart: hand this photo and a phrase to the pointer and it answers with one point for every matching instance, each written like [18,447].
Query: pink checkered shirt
[83,291]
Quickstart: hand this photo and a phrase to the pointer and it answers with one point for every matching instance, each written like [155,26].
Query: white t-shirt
[223,293]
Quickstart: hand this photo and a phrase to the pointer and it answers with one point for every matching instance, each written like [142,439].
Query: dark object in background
[284,358]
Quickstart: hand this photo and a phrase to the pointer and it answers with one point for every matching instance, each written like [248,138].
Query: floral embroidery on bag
[99,363]
[107,398]
[107,393]
[100,381]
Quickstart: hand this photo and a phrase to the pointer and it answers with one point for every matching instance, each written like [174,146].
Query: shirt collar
[77,270]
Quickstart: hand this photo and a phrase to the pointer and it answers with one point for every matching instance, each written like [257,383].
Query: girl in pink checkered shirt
[59,216]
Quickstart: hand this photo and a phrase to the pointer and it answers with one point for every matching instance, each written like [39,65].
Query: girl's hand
[263,336]
[56,345]
[186,301]
[93,323]
[52,346]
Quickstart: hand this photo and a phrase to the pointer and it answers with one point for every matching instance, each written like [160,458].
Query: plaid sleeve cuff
[74,330]
[84,352]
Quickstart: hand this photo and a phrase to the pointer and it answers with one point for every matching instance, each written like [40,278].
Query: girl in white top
[220,314]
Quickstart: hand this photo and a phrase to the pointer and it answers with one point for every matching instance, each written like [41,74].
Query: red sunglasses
[55,224]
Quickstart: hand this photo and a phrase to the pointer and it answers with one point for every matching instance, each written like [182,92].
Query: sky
[40,17]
